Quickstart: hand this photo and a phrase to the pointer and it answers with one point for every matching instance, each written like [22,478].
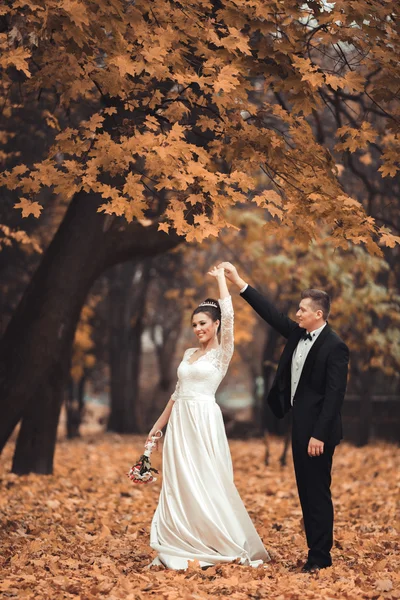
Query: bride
[200,515]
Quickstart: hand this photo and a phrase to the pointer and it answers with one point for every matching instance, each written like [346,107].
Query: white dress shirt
[299,358]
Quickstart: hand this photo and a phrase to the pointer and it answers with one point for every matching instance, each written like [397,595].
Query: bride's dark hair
[213,311]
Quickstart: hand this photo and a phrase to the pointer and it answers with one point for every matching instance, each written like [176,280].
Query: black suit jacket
[320,391]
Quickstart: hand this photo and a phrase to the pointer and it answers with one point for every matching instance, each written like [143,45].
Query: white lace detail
[198,376]
[186,354]
[227,338]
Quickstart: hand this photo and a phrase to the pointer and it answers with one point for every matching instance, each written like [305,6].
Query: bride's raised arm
[227,318]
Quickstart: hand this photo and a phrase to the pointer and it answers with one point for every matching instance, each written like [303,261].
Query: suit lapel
[309,362]
[290,347]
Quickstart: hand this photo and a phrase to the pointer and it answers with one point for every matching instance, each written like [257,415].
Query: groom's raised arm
[267,311]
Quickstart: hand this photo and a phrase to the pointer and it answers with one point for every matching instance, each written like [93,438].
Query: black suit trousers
[313,477]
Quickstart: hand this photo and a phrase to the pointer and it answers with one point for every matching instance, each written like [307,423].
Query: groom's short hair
[320,300]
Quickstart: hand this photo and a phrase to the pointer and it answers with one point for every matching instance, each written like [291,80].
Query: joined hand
[230,271]
[216,272]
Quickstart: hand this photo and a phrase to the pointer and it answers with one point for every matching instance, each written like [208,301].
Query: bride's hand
[151,434]
[215,272]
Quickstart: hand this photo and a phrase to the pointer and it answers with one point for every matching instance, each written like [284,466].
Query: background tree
[83,361]
[157,119]
[170,296]
[129,286]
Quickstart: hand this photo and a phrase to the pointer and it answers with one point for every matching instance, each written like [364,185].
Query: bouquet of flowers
[142,471]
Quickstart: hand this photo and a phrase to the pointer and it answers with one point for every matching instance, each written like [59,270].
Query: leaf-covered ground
[83,532]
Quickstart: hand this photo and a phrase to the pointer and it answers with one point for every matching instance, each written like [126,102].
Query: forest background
[142,142]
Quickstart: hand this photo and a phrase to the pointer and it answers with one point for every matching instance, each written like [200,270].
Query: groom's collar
[315,333]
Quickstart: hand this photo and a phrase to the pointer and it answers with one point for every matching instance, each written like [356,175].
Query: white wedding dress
[200,515]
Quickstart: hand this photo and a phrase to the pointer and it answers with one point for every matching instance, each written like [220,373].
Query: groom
[311,380]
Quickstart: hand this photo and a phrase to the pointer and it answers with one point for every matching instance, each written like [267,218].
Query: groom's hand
[315,447]
[232,274]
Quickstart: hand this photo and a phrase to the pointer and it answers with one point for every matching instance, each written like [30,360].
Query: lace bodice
[205,374]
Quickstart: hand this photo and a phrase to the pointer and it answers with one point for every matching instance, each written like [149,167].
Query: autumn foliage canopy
[191,108]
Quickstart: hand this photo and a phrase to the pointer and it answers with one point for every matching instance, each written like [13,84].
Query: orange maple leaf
[76,11]
[164,227]
[18,58]
[29,208]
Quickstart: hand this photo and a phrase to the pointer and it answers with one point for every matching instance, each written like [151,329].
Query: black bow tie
[306,336]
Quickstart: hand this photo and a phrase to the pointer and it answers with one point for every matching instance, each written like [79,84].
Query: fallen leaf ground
[83,532]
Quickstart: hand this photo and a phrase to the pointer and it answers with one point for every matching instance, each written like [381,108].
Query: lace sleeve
[227,341]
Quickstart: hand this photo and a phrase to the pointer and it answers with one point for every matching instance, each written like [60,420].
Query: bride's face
[204,327]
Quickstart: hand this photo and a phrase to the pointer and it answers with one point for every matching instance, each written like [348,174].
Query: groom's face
[308,316]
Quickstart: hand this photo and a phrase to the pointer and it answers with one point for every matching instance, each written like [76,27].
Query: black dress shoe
[311,568]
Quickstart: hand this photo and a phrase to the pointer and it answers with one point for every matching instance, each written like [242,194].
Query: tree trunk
[165,318]
[165,350]
[43,326]
[258,383]
[120,288]
[34,451]
[46,317]
[365,407]
[269,422]
[136,352]
[128,290]
[74,405]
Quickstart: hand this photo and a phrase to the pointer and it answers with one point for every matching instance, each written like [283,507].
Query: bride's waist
[195,397]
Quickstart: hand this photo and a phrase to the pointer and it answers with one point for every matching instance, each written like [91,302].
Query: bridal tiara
[209,304]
